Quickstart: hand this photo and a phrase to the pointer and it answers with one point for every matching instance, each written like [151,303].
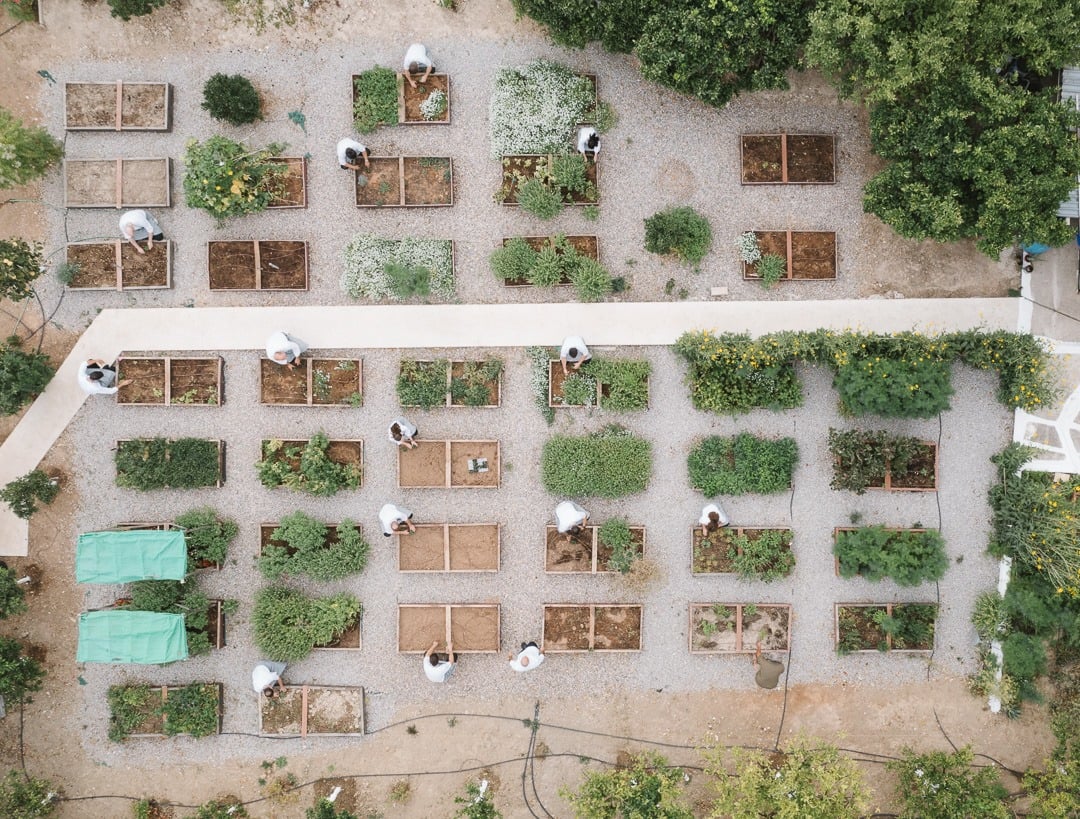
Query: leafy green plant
[615,534]
[20,674]
[228,808]
[767,556]
[163,463]
[624,382]
[471,387]
[27,797]
[743,464]
[126,9]
[907,556]
[23,10]
[476,804]
[609,463]
[569,172]
[26,153]
[207,536]
[288,624]
[307,468]
[911,625]
[943,784]
[129,708]
[909,387]
[226,179]
[192,710]
[407,280]
[772,269]
[989,616]
[539,199]
[681,231]
[375,92]
[20,264]
[578,390]
[325,809]
[1024,655]
[422,383]
[22,375]
[232,98]
[647,786]
[23,494]
[514,261]
[307,548]
[377,268]
[590,279]
[863,456]
[12,595]
[731,373]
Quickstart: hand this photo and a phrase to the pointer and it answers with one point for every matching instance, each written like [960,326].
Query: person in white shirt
[528,658]
[395,520]
[712,518]
[349,152]
[403,433]
[570,517]
[437,669]
[98,378]
[281,348]
[573,351]
[588,141]
[416,58]
[266,675]
[138,224]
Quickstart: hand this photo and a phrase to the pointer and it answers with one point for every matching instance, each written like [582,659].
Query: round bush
[682,231]
[232,98]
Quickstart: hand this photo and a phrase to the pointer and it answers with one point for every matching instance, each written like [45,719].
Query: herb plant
[307,468]
[767,556]
[232,98]
[680,231]
[862,458]
[743,464]
[609,463]
[207,536]
[616,535]
[909,557]
[422,383]
[161,463]
[288,624]
[772,269]
[375,91]
[304,547]
[192,710]
[472,388]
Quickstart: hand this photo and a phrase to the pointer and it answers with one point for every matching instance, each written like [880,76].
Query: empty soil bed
[92,106]
[566,628]
[116,183]
[294,193]
[617,628]
[423,466]
[439,547]
[472,628]
[257,265]
[424,550]
[429,180]
[462,452]
[147,381]
[195,381]
[280,385]
[774,159]
[329,710]
[97,266]
[379,184]
[410,99]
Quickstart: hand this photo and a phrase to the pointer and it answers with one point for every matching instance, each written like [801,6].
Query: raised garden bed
[117,183]
[711,554]
[810,255]
[877,460]
[520,167]
[410,99]
[160,381]
[130,703]
[346,453]
[907,556]
[119,266]
[443,464]
[162,526]
[468,383]
[303,710]
[588,246]
[573,628]
[406,182]
[317,382]
[295,193]
[255,265]
[630,397]
[473,628]
[904,627]
[450,547]
[141,463]
[795,159]
[585,552]
[116,106]
[730,628]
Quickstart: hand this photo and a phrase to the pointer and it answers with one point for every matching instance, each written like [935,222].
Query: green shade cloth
[118,636]
[123,557]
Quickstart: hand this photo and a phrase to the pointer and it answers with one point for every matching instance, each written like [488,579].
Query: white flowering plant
[434,106]
[534,108]
[374,267]
[748,247]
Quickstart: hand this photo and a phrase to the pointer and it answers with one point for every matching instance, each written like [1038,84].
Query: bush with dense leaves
[743,464]
[647,786]
[12,595]
[376,95]
[907,556]
[610,463]
[943,784]
[26,153]
[207,536]
[288,624]
[20,675]
[162,463]
[23,375]
[681,231]
[307,467]
[20,264]
[26,797]
[303,546]
[226,178]
[23,494]
[126,9]
[232,98]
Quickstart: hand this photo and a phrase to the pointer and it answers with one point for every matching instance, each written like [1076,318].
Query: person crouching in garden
[395,520]
[267,675]
[349,154]
[588,142]
[281,348]
[403,433]
[437,669]
[712,518]
[570,518]
[416,60]
[98,378]
[138,224]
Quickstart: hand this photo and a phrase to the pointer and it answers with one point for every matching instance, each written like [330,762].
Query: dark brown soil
[762,159]
[346,798]
[147,381]
[526,165]
[294,194]
[380,184]
[423,466]
[870,636]
[811,158]
[618,628]
[461,452]
[720,636]
[429,181]
[921,471]
[423,550]
[350,638]
[569,553]
[474,628]
[335,711]
[147,269]
[346,452]
[770,242]
[813,254]
[474,547]
[457,368]
[712,557]
[414,96]
[604,552]
[769,625]
[280,385]
[232,265]
[336,384]
[97,265]
[418,626]
[195,381]
[284,265]
[216,626]
[566,628]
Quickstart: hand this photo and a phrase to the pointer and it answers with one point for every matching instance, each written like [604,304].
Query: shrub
[23,10]
[225,178]
[476,804]
[766,557]
[12,596]
[288,624]
[989,616]
[591,281]
[165,463]
[20,264]
[911,624]
[126,9]
[539,199]
[514,261]
[682,231]
[625,383]
[20,675]
[908,557]
[895,388]
[863,456]
[534,108]
[552,265]
[422,383]
[375,91]
[191,710]
[128,708]
[307,468]
[942,784]
[232,98]
[615,534]
[308,550]
[471,387]
[772,269]
[732,373]
[389,268]
[743,464]
[26,153]
[22,494]
[22,375]
[606,464]
[228,808]
[569,172]
[647,786]
[207,536]
[26,797]
[1024,656]
[578,390]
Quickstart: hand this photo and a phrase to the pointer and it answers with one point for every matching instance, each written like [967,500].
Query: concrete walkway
[419,326]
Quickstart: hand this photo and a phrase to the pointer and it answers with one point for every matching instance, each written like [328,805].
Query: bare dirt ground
[872,720]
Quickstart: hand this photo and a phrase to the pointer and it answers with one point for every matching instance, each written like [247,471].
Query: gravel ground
[969,433]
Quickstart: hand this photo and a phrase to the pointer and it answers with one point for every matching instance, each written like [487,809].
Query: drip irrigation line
[11,28]
[528,755]
[1061,313]
[532,761]
[937,583]
[941,727]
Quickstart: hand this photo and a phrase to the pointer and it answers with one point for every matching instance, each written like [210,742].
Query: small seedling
[412,730]
[400,792]
[451,721]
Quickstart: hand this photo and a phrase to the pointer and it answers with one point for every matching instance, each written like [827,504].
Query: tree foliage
[647,786]
[944,785]
[24,797]
[26,153]
[20,265]
[232,98]
[22,375]
[20,675]
[126,9]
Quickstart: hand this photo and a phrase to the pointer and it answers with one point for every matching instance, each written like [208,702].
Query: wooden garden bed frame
[592,607]
[221,458]
[164,692]
[117,99]
[305,692]
[120,249]
[292,163]
[592,173]
[888,485]
[402,192]
[160,526]
[285,443]
[402,120]
[538,242]
[448,483]
[741,647]
[310,365]
[593,538]
[406,542]
[792,273]
[73,168]
[888,637]
[734,531]
[448,633]
[785,159]
[167,385]
[555,364]
[450,364]
[257,254]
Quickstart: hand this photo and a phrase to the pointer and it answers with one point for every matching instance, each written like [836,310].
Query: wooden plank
[119,104]
[449,627]
[446,547]
[783,167]
[258,265]
[401,180]
[168,380]
[119,183]
[303,710]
